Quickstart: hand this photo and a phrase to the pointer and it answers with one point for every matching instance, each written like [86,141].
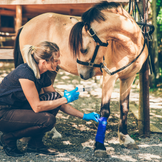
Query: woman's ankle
[8,140]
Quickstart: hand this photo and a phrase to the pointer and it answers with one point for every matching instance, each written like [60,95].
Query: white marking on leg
[125,139]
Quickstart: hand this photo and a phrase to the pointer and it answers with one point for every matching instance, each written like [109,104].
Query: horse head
[105,22]
[84,44]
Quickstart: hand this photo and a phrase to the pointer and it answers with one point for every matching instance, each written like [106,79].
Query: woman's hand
[91,116]
[71,95]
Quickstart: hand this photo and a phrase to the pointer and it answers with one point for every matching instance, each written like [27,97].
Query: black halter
[98,44]
[102,65]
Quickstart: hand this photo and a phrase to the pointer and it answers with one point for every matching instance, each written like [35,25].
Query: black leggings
[25,122]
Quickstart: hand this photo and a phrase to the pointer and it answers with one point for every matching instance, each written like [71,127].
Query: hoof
[101,154]
[127,141]
[100,150]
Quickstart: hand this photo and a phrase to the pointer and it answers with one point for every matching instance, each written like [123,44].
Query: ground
[78,136]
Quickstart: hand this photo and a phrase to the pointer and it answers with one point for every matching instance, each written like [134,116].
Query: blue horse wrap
[100,136]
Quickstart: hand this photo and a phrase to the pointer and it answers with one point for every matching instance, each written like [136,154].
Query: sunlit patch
[123,157]
[156,105]
[153,145]
[90,143]
[1,64]
[65,77]
[75,126]
[64,73]
[67,143]
[4,74]
[59,115]
[70,87]
[89,122]
[148,156]
[114,140]
[75,81]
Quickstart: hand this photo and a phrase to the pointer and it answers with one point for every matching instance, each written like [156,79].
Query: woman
[26,113]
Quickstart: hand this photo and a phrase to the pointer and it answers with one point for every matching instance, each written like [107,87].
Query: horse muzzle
[86,73]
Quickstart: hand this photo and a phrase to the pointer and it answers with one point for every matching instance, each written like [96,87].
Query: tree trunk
[154,48]
[143,111]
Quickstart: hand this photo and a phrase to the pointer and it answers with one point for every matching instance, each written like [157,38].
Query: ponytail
[29,57]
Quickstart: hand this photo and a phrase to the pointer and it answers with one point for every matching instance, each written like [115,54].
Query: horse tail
[17,53]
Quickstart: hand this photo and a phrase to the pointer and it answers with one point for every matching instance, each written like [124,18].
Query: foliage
[158,6]
[159,23]
[159,17]
[135,136]
[159,37]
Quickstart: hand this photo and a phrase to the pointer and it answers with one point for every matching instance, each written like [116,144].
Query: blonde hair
[44,50]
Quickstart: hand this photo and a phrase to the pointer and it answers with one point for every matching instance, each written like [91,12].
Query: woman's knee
[49,121]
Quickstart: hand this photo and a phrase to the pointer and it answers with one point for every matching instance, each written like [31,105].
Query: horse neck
[119,27]
[123,34]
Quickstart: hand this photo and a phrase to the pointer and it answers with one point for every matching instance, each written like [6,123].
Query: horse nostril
[81,76]
[91,74]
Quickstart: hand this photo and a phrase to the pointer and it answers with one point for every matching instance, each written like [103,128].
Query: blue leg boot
[100,150]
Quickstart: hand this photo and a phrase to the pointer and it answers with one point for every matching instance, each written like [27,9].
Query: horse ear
[86,27]
[74,20]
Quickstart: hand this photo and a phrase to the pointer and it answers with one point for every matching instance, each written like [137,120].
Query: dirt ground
[78,136]
[76,132]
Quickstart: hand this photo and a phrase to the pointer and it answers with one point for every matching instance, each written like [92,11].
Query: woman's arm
[32,96]
[68,109]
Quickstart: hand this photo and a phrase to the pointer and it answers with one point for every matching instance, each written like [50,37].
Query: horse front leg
[124,138]
[107,87]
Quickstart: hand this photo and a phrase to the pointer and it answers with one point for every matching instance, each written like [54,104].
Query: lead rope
[116,71]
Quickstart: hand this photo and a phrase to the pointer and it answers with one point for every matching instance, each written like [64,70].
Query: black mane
[94,13]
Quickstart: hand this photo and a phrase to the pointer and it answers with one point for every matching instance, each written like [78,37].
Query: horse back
[48,26]
[53,28]
[17,53]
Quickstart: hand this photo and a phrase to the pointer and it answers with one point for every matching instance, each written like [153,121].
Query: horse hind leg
[124,138]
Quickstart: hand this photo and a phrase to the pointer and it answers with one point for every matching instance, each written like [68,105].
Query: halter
[103,65]
[99,43]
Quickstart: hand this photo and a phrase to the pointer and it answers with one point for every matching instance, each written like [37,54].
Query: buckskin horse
[105,41]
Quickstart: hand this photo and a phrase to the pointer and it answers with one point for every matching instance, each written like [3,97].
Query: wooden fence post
[18,17]
[144,110]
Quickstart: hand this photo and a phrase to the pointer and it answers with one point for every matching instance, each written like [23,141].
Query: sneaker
[10,151]
[43,149]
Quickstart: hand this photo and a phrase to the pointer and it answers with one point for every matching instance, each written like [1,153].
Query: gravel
[149,150]
[78,136]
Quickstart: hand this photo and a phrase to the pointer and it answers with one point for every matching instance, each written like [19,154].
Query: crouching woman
[24,112]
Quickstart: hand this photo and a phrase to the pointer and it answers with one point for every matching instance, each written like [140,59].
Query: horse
[105,41]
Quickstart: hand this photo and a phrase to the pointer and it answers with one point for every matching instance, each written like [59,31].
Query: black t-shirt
[11,92]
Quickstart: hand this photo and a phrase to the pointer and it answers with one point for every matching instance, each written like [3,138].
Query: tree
[159,31]
[154,48]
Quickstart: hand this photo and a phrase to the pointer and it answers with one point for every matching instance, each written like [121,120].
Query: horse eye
[84,51]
